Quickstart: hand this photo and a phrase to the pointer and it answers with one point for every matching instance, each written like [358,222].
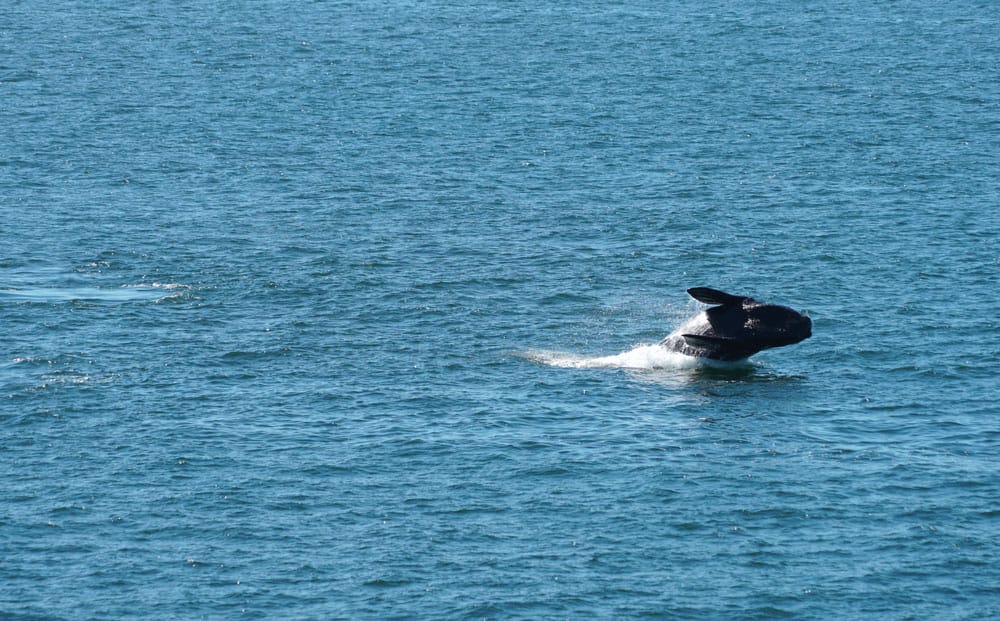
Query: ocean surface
[349,310]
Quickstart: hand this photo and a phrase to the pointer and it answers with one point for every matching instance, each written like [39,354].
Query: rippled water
[350,310]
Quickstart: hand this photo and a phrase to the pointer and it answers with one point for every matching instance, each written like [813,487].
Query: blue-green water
[344,310]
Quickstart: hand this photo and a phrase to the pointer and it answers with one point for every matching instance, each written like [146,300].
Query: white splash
[639,357]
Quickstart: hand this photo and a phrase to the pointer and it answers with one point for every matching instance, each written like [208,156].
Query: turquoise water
[349,310]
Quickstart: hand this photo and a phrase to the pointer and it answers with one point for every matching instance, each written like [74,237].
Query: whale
[736,327]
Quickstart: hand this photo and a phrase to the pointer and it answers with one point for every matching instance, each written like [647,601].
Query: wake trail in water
[639,357]
[126,293]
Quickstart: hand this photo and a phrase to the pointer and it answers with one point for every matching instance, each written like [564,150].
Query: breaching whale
[736,327]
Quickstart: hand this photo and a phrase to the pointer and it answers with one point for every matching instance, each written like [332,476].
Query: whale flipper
[706,295]
[717,347]
[700,340]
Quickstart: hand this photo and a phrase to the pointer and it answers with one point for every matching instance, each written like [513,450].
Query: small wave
[640,357]
[160,291]
[170,286]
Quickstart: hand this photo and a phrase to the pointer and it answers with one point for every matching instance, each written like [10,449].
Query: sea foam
[639,357]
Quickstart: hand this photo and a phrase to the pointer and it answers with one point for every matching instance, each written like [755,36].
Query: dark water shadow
[714,378]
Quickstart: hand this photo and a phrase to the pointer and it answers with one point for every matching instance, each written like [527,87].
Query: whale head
[770,325]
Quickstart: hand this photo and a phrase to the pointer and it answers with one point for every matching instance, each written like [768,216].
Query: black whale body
[736,327]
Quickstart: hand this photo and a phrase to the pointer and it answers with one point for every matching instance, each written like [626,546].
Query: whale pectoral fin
[706,295]
[707,342]
[710,343]
[718,347]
